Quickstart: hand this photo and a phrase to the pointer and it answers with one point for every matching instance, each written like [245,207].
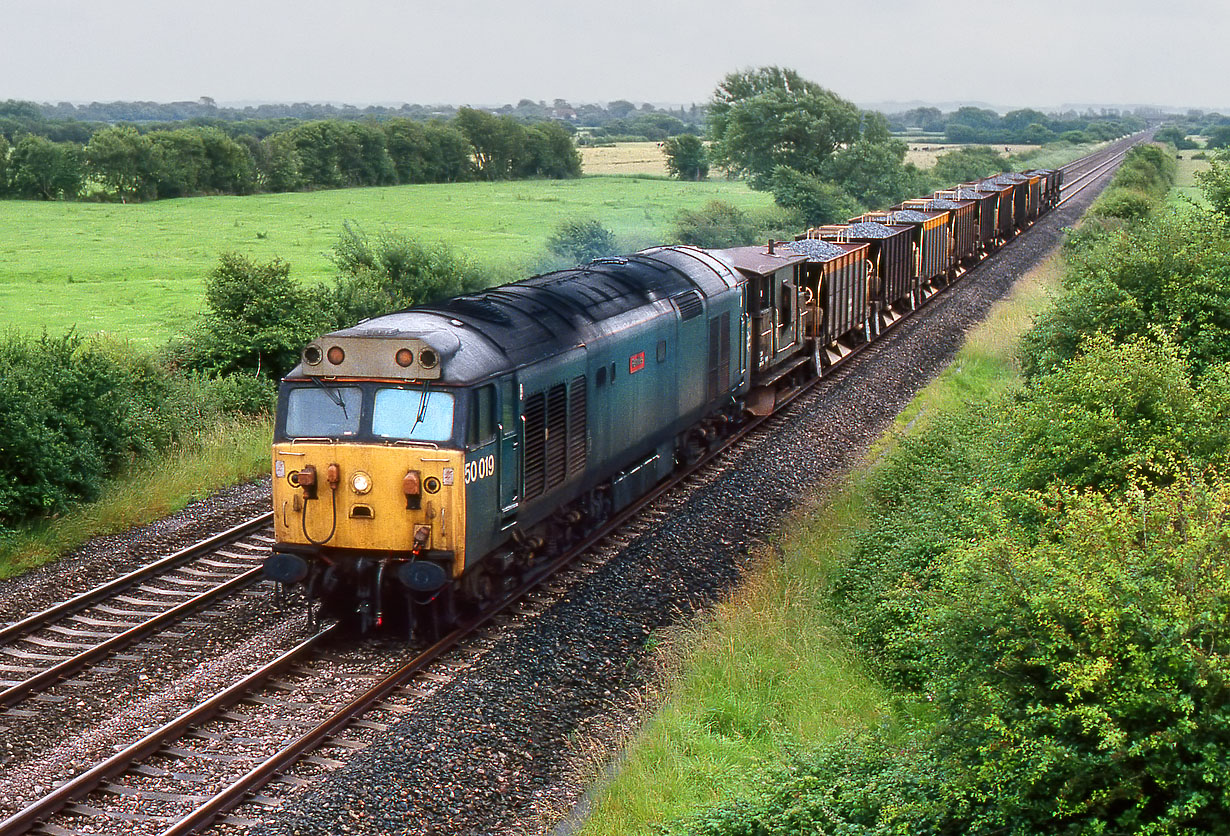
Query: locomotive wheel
[438,617]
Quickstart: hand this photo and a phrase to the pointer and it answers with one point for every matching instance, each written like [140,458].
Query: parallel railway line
[64,639]
[165,768]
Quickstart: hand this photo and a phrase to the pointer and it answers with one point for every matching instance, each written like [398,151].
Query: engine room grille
[556,440]
[577,441]
[719,355]
[535,445]
[557,434]
[689,305]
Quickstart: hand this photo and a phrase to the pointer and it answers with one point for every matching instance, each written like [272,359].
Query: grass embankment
[1185,187]
[137,270]
[229,453]
[770,674]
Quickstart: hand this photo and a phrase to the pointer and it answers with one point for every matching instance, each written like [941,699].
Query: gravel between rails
[57,734]
[491,752]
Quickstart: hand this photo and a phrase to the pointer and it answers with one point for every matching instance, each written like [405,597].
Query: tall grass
[228,453]
[770,674]
[767,672]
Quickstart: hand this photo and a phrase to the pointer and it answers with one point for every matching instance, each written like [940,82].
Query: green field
[136,270]
[1185,180]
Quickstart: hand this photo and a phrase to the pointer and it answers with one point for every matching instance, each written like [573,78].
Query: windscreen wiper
[334,396]
[422,406]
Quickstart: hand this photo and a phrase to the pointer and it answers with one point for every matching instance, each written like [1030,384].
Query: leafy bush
[1115,416]
[686,157]
[257,319]
[392,273]
[1081,676]
[581,240]
[965,164]
[1172,271]
[73,412]
[1215,183]
[861,784]
[814,200]
[1126,203]
[720,224]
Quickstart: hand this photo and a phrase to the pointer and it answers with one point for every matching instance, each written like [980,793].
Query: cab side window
[482,416]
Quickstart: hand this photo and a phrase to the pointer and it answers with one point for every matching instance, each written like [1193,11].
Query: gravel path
[490,752]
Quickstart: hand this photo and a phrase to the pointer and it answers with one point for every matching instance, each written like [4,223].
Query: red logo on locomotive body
[636,362]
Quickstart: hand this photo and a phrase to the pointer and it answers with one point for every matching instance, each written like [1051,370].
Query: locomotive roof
[758,260]
[506,327]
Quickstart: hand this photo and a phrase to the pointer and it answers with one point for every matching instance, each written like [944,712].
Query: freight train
[426,460]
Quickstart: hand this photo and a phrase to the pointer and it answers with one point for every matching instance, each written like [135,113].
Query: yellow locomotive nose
[398,501]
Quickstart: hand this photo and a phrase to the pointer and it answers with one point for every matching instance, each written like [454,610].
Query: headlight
[360,482]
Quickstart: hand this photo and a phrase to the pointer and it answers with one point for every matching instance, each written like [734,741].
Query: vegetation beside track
[1042,593]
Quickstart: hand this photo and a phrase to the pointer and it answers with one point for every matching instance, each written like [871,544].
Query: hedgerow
[1046,577]
[75,411]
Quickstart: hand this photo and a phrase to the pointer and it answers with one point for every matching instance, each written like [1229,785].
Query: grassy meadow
[1185,181]
[137,270]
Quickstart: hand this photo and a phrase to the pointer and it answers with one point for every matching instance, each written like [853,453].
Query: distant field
[647,157]
[624,158]
[137,270]
[923,154]
[1185,181]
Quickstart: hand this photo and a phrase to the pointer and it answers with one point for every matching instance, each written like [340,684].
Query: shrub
[581,240]
[686,157]
[392,273]
[966,164]
[717,225]
[1215,183]
[814,200]
[1081,677]
[1116,415]
[1171,271]
[1126,203]
[257,318]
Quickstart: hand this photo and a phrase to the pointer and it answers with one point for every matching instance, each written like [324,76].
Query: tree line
[123,162]
[826,160]
[1025,126]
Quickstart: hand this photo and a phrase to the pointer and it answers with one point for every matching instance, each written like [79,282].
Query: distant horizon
[881,106]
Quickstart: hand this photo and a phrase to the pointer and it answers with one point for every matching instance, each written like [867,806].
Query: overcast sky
[1005,52]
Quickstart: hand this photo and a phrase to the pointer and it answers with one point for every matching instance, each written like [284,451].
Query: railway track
[188,773]
[1085,172]
[67,638]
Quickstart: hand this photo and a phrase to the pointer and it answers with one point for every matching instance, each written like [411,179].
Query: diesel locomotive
[425,460]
